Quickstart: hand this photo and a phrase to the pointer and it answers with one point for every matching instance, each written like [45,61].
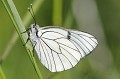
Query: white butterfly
[60,49]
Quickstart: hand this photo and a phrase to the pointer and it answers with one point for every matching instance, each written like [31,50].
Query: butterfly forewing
[59,49]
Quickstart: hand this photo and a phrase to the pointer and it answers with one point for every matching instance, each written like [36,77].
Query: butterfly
[60,49]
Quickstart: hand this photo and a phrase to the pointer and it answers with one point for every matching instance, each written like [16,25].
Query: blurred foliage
[17,65]
[110,15]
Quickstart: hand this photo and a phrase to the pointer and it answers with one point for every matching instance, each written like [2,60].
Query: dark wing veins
[68,36]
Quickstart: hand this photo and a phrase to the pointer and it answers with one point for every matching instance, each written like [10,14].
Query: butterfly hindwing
[84,42]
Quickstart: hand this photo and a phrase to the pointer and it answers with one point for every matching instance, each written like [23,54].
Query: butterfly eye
[34,25]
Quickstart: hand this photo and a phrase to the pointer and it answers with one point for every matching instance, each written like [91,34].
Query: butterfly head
[33,31]
[33,28]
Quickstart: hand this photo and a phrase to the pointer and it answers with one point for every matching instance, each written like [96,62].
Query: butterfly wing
[84,42]
[57,52]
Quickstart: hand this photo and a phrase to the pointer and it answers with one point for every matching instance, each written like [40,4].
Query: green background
[103,63]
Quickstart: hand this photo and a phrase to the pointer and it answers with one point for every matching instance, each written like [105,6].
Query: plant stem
[57,12]
[13,13]
[68,19]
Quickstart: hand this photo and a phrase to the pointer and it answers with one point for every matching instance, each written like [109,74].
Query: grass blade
[57,12]
[12,11]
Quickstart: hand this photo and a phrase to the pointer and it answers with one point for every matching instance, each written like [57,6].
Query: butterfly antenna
[30,9]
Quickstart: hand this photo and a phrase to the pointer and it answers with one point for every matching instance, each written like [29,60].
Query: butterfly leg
[26,30]
[34,47]
[26,41]
[28,36]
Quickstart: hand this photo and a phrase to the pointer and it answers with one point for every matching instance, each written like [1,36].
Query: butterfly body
[60,49]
